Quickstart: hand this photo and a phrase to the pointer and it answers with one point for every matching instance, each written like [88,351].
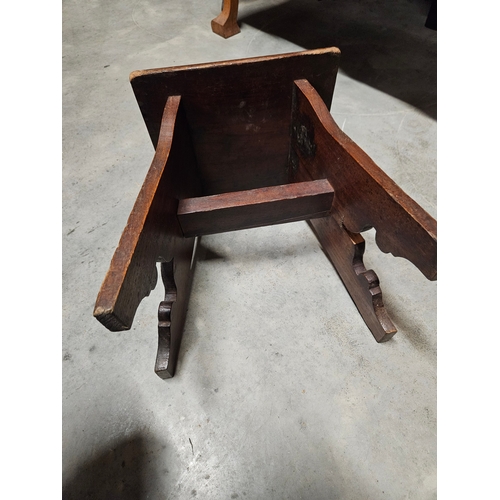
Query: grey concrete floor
[281,391]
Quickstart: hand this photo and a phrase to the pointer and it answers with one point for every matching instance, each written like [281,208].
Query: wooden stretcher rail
[255,207]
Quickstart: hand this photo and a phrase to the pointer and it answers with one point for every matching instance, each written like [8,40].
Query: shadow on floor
[119,472]
[384,44]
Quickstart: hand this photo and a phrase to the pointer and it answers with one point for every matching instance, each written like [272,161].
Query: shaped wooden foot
[346,250]
[226,23]
[177,278]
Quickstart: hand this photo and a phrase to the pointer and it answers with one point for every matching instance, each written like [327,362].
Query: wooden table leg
[226,23]
[365,197]
[345,250]
[177,277]
[152,235]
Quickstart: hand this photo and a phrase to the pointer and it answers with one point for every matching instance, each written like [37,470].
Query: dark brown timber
[365,197]
[152,233]
[238,112]
[252,143]
[255,207]
[177,280]
[345,250]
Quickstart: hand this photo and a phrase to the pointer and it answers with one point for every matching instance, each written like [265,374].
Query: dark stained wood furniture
[248,143]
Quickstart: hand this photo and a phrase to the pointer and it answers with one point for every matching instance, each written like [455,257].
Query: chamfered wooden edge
[152,228]
[365,196]
[234,62]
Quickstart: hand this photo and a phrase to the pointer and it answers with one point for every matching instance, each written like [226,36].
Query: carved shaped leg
[164,320]
[346,250]
[365,197]
[177,276]
[226,23]
[152,235]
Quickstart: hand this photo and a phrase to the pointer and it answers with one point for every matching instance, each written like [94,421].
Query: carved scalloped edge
[162,368]
[369,280]
[345,251]
[404,228]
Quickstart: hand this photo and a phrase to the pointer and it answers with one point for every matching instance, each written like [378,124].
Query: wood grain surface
[239,112]
[252,143]
[226,23]
[255,207]
[365,196]
[152,233]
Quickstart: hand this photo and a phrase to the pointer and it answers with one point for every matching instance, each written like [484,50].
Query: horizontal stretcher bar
[255,207]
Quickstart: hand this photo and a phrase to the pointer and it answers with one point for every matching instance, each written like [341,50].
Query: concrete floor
[281,391]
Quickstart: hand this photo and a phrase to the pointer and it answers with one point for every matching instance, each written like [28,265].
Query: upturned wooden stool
[249,143]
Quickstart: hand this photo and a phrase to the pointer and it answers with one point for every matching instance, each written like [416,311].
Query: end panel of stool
[345,250]
[152,233]
[365,196]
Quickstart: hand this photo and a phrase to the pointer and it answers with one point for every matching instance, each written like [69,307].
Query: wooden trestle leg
[345,250]
[365,197]
[152,235]
[177,279]
[226,23]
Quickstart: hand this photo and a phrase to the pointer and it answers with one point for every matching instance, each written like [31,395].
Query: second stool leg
[177,276]
[346,250]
